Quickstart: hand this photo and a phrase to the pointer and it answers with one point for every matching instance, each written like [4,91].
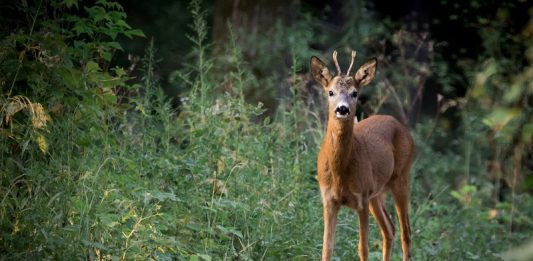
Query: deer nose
[342,110]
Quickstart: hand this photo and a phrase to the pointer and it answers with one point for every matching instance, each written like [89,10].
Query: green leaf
[109,220]
[456,195]
[115,45]
[110,98]
[110,5]
[111,33]
[92,67]
[70,3]
[134,32]
[81,27]
[71,77]
[500,117]
[122,24]
[106,55]
[230,230]
[119,71]
[97,13]
[514,93]
[141,109]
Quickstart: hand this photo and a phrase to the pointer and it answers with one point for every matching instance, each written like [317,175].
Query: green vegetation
[96,163]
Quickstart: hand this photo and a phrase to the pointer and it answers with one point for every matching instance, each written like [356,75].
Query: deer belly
[382,168]
[355,201]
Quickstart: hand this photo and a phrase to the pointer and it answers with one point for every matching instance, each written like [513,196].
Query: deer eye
[330,93]
[354,94]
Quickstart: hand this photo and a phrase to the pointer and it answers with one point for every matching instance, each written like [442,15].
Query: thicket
[96,164]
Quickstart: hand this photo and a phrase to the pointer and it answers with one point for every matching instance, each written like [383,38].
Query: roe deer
[360,161]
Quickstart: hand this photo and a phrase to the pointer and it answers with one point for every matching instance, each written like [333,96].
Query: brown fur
[358,163]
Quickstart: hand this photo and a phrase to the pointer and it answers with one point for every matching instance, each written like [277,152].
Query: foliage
[501,93]
[97,164]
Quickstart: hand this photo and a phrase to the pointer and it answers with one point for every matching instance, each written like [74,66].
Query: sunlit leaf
[500,117]
[41,141]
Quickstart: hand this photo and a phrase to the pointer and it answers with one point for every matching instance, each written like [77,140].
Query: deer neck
[339,140]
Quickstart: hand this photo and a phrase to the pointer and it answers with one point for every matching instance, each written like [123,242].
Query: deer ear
[366,72]
[320,72]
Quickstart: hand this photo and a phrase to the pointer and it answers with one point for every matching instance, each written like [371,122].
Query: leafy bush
[97,164]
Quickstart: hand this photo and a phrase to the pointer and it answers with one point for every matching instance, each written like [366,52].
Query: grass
[220,180]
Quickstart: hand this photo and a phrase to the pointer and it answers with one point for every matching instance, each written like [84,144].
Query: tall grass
[138,180]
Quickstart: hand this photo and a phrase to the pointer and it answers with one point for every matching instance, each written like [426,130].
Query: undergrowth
[96,166]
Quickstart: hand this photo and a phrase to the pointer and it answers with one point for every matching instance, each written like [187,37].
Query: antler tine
[351,63]
[336,62]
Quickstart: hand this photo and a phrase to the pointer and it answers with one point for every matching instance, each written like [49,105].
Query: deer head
[342,90]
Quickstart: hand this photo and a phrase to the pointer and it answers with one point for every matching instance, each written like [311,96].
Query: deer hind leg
[400,193]
[377,208]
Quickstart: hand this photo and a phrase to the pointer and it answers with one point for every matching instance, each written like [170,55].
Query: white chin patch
[340,116]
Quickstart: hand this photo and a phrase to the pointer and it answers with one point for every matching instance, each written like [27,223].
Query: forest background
[190,130]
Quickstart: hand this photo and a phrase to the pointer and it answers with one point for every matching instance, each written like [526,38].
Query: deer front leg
[363,230]
[331,208]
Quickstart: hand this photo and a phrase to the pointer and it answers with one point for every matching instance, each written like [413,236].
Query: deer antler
[336,63]
[351,63]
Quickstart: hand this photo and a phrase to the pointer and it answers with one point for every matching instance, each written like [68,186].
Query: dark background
[453,24]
